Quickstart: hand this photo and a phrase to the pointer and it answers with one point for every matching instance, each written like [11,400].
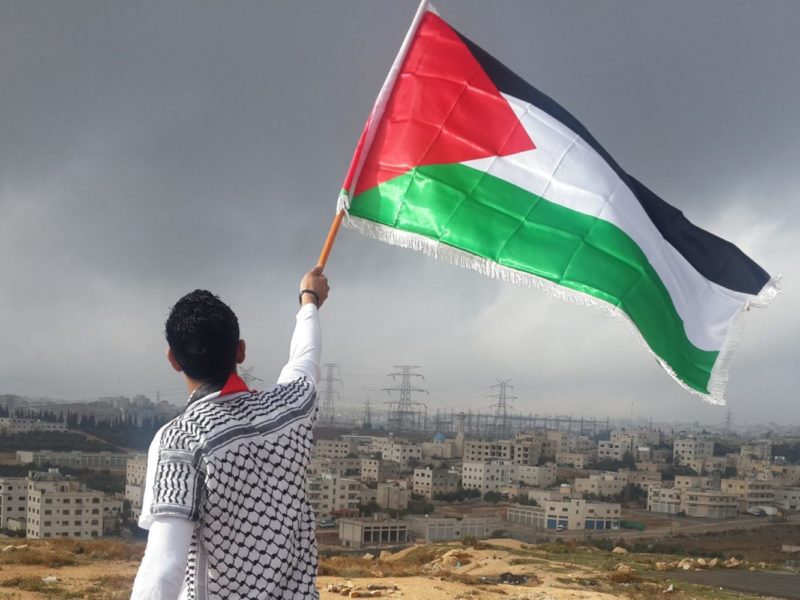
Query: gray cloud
[151,148]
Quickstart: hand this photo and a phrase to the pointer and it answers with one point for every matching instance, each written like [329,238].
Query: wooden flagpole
[326,248]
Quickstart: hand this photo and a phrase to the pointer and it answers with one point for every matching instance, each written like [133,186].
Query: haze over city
[153,149]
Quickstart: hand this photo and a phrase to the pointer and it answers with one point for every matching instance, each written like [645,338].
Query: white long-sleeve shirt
[180,546]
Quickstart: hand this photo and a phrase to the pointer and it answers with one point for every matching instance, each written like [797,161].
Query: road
[779,585]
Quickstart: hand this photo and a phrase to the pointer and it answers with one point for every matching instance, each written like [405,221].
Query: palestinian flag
[465,161]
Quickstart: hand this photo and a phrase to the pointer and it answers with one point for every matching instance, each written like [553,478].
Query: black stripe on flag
[716,259]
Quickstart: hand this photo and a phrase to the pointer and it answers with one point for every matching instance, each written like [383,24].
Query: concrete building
[338,448]
[445,529]
[74,458]
[430,482]
[378,469]
[441,448]
[542,477]
[555,443]
[579,460]
[488,450]
[685,482]
[571,514]
[609,483]
[135,482]
[341,467]
[392,496]
[757,450]
[11,425]
[330,495]
[357,533]
[709,464]
[664,499]
[13,499]
[487,476]
[788,498]
[749,492]
[686,449]
[710,504]
[62,507]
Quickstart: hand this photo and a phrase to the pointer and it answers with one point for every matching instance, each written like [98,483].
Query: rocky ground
[495,569]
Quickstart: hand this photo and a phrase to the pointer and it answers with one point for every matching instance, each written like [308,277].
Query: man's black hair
[203,334]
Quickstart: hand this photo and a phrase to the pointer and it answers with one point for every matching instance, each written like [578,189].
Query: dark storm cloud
[150,148]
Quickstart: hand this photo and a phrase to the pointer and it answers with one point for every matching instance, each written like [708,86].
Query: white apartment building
[685,449]
[378,469]
[13,499]
[135,482]
[330,495]
[338,448]
[62,507]
[74,458]
[392,496]
[429,482]
[571,514]
[11,425]
[487,476]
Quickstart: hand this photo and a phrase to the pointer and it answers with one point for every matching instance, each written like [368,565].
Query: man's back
[237,464]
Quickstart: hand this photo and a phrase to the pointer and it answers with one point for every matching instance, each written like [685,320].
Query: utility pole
[406,414]
[367,420]
[329,393]
[501,424]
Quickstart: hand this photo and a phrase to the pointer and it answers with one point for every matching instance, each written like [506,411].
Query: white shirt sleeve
[305,349]
[161,574]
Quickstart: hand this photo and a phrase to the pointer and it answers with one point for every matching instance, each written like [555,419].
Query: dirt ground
[500,569]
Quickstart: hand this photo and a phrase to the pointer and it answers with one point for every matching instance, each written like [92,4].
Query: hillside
[495,569]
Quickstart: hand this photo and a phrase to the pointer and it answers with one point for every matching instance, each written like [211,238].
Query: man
[224,499]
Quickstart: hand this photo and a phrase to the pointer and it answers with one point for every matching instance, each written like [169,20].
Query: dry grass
[70,552]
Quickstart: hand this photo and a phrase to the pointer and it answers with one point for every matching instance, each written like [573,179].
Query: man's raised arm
[306,345]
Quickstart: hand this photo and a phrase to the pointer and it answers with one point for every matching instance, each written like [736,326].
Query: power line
[406,414]
[328,393]
[501,422]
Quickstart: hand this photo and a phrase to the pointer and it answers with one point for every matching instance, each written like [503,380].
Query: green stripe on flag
[495,220]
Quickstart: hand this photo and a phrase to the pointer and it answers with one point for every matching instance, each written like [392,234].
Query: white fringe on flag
[460,258]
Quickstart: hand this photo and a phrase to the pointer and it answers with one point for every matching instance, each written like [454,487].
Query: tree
[493,497]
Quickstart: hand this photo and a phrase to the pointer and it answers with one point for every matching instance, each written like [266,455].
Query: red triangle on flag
[443,109]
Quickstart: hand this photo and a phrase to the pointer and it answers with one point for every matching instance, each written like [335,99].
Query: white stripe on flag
[565,170]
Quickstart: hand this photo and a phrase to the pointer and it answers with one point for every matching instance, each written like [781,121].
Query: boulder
[686,564]
[10,548]
[662,566]
[702,562]
[50,579]
[368,556]
[619,550]
[384,554]
[714,563]
[732,563]
[623,569]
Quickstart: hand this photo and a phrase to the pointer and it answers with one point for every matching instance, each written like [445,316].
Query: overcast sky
[150,148]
